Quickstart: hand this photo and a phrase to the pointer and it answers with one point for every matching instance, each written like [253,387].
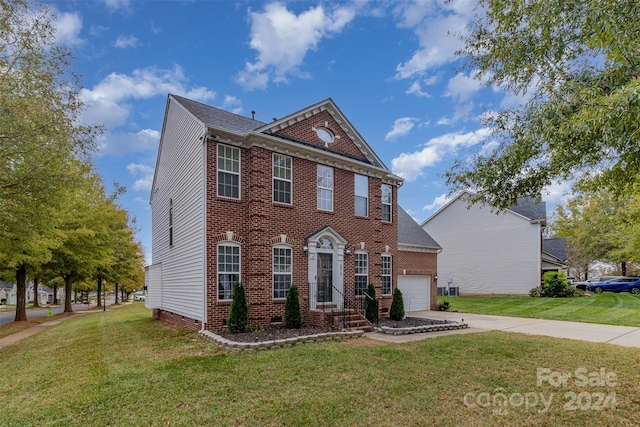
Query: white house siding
[484,252]
[179,177]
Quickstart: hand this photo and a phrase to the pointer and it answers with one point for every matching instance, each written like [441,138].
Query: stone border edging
[418,329]
[235,346]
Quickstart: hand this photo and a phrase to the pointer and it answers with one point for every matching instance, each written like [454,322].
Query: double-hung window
[228,269]
[386,202]
[362,272]
[281,271]
[386,274]
[325,188]
[228,171]
[361,190]
[281,178]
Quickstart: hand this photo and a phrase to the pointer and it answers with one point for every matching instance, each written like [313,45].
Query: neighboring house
[301,200]
[554,255]
[485,252]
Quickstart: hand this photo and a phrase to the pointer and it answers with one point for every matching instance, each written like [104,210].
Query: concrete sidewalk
[627,336]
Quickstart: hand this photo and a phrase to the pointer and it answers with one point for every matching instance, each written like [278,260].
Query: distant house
[554,255]
[300,200]
[485,252]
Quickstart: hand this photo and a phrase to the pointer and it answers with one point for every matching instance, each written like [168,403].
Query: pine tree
[292,313]
[239,313]
[397,306]
[371,304]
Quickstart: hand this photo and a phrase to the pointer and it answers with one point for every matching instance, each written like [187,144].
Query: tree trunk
[68,292]
[624,268]
[99,291]
[55,294]
[36,303]
[115,294]
[21,296]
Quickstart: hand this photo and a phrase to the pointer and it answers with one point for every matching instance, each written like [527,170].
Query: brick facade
[256,222]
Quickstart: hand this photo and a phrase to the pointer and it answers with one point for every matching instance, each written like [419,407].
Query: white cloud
[437,203]
[68,27]
[416,89]
[401,127]
[145,182]
[233,104]
[107,101]
[123,42]
[462,87]
[435,25]
[283,39]
[118,5]
[411,165]
[119,144]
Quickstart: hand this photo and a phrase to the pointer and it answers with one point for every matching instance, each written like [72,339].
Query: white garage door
[415,292]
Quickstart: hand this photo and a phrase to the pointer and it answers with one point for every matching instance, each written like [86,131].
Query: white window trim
[365,196]
[390,275]
[229,172]
[390,204]
[330,189]
[274,177]
[239,272]
[273,273]
[356,274]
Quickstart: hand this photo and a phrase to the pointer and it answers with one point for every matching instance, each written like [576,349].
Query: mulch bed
[278,332]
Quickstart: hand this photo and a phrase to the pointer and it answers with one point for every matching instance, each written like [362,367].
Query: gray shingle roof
[556,247]
[217,118]
[528,208]
[410,232]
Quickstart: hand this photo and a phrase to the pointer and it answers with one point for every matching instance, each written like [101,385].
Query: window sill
[228,199]
[223,303]
[283,205]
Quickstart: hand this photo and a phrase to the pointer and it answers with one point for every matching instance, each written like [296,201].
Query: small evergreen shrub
[371,305]
[556,285]
[443,306]
[239,313]
[536,292]
[292,312]
[397,306]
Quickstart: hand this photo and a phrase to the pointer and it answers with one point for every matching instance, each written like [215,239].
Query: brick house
[301,200]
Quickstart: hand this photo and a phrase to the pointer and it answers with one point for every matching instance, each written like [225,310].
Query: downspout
[204,234]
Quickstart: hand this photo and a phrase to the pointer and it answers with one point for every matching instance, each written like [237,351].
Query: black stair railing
[333,300]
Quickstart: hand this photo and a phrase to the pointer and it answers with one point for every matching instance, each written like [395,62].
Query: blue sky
[389,66]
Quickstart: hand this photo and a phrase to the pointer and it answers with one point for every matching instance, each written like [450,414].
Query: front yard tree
[577,64]
[40,137]
[239,313]
[397,305]
[292,312]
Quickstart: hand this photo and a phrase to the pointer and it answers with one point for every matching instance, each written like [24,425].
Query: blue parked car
[621,284]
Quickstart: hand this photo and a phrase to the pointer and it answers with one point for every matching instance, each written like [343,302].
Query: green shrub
[397,306]
[239,313]
[443,306]
[556,285]
[371,304]
[536,292]
[292,313]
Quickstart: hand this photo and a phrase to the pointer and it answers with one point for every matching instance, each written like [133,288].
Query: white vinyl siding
[282,178]
[362,272]
[387,196]
[228,171]
[180,181]
[485,252]
[361,195]
[325,188]
[282,270]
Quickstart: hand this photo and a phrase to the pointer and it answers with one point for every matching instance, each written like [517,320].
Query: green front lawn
[611,309]
[122,368]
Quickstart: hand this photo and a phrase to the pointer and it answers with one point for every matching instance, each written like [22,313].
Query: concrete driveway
[627,336]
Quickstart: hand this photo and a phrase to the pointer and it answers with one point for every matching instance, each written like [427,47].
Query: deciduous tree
[577,62]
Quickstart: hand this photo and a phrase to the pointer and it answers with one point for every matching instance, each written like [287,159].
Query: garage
[415,292]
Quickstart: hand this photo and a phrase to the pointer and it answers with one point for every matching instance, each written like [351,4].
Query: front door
[325,277]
